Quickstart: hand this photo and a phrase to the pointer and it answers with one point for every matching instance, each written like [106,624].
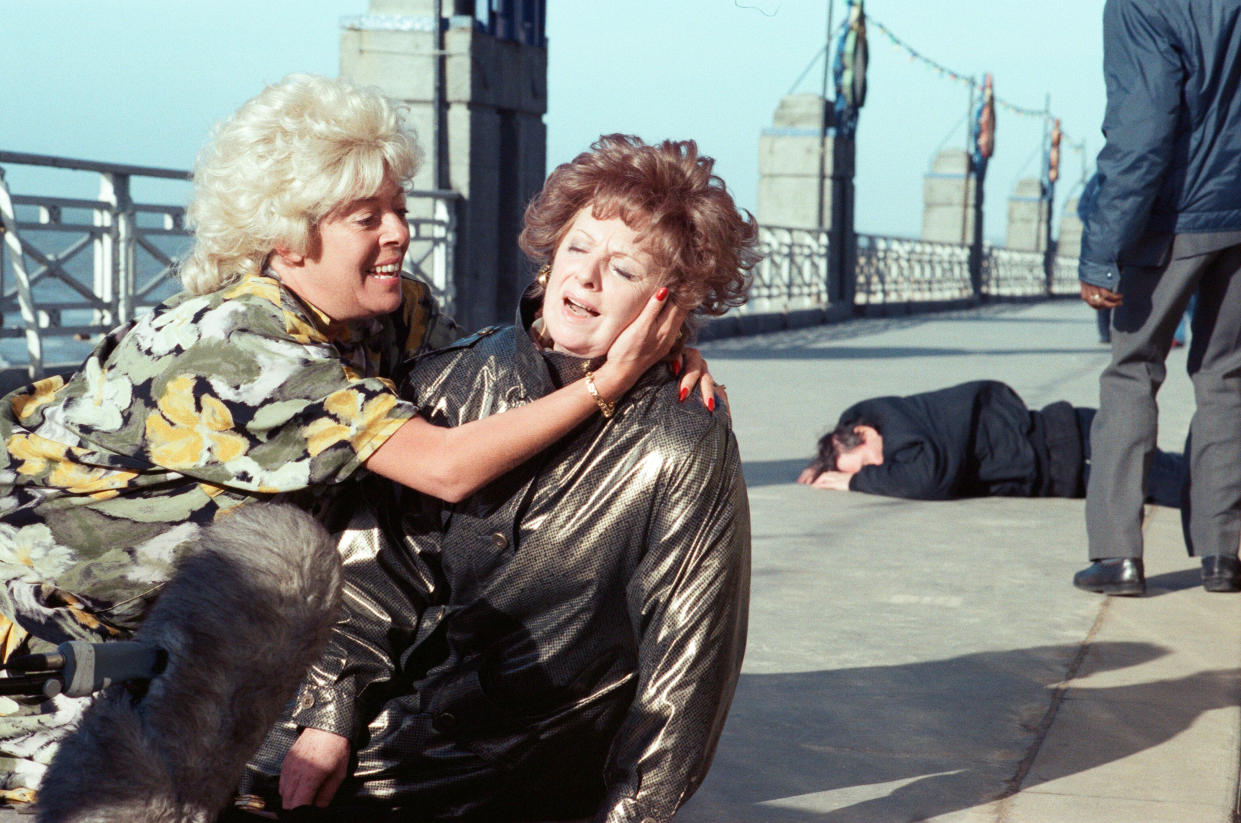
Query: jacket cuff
[328,708]
[625,810]
[1104,275]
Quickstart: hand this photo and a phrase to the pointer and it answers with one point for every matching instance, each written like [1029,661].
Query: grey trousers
[1124,432]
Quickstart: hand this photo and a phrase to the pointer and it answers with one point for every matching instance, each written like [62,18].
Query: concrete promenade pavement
[914,660]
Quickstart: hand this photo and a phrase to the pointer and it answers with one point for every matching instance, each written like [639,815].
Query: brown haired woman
[565,643]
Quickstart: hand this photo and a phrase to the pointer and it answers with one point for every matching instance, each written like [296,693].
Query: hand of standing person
[1098,297]
[692,368]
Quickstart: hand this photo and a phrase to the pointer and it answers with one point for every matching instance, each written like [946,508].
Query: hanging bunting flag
[849,70]
[855,57]
[984,126]
[1053,153]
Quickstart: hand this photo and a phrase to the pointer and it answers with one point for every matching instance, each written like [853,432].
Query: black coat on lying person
[977,439]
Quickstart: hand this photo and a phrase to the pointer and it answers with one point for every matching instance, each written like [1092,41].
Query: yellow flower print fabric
[208,403]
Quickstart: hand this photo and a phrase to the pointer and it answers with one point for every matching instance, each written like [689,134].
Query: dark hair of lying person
[838,441]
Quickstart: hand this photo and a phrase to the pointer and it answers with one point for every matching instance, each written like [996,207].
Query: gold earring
[544,273]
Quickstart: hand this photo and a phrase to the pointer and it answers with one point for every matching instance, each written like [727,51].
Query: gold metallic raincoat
[564,644]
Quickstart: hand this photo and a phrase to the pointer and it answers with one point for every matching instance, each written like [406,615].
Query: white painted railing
[77,267]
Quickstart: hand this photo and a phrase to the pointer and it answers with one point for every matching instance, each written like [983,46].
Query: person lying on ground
[975,439]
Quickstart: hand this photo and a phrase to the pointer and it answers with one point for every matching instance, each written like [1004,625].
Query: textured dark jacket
[973,440]
[566,642]
[1172,160]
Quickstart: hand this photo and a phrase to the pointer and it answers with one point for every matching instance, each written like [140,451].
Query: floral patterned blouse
[207,403]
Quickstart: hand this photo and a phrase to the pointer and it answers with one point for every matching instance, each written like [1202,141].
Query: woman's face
[599,282]
[353,269]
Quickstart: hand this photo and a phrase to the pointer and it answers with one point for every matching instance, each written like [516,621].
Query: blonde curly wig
[282,162]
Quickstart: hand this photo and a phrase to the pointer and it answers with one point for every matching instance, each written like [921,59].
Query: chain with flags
[1021,111]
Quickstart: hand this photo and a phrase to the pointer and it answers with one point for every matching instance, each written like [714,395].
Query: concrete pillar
[1027,217]
[806,182]
[796,164]
[948,192]
[1069,243]
[488,140]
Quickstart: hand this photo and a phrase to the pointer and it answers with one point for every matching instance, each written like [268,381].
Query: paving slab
[913,660]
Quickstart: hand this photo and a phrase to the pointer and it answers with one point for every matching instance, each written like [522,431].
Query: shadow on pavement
[845,352]
[907,742]
[1173,582]
[772,472]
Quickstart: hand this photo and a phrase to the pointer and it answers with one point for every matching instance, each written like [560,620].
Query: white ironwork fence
[1011,273]
[793,274]
[899,270]
[72,268]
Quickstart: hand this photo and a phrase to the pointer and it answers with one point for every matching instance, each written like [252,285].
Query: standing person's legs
[1124,431]
[1215,431]
[1166,480]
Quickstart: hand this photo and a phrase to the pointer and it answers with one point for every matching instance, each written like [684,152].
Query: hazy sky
[141,81]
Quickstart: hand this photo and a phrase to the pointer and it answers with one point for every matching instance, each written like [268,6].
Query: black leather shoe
[1112,575]
[1221,573]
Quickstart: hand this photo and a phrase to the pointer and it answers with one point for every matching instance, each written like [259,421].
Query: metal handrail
[796,272]
[96,263]
[25,298]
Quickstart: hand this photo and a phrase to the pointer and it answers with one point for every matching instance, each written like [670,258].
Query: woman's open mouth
[578,310]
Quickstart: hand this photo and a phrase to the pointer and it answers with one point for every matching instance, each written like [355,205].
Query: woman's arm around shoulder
[453,463]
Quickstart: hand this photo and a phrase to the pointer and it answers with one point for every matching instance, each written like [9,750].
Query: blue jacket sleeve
[1144,77]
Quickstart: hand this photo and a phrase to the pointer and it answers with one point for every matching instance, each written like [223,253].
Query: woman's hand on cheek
[644,342]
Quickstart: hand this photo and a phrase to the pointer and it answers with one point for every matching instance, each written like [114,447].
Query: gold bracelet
[608,407]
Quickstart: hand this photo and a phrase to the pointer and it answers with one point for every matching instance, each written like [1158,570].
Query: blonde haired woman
[269,378]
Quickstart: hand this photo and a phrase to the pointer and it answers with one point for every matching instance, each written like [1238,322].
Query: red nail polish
[711,403]
[662,293]
[684,394]
[676,367]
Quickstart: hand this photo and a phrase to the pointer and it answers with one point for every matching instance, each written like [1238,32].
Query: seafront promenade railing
[796,273]
[75,267]
[793,274]
[898,270]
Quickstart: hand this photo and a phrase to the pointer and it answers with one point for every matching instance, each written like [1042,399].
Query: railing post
[126,276]
[442,255]
[105,257]
[10,238]
[118,276]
